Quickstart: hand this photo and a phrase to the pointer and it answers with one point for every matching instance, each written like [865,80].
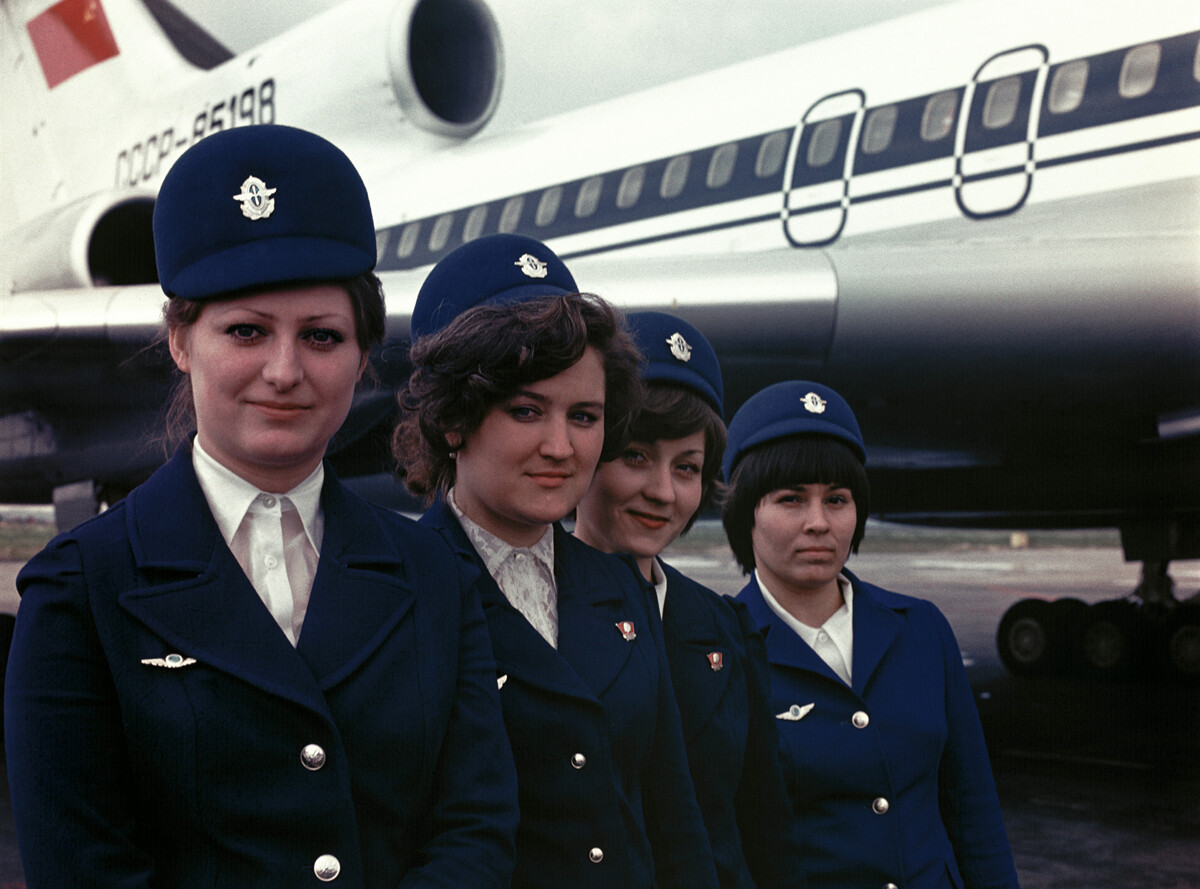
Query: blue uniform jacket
[729,729]
[134,774]
[606,799]
[890,779]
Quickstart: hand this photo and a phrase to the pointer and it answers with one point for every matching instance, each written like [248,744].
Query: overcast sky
[597,49]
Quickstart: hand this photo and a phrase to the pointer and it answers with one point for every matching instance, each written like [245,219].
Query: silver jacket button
[578,760]
[860,719]
[327,868]
[313,757]
[596,855]
[880,806]
[890,886]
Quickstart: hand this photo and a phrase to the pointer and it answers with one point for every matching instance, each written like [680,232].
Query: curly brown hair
[485,355]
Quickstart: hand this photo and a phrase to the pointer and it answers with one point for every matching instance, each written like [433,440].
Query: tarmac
[1099,782]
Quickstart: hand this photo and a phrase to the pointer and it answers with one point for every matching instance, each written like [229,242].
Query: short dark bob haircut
[670,411]
[485,356]
[370,326]
[785,463]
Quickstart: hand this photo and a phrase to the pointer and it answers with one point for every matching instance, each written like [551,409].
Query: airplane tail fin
[70,72]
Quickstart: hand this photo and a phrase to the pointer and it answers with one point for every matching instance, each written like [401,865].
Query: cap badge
[814,403]
[627,631]
[531,266]
[679,347]
[795,712]
[716,660]
[256,199]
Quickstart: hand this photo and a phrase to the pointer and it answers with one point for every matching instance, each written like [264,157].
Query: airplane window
[1000,106]
[1196,63]
[877,133]
[548,206]
[408,240]
[938,118]
[441,232]
[589,197]
[824,144]
[771,154]
[630,188]
[675,176]
[473,227]
[510,216]
[1067,86]
[720,168]
[1139,70]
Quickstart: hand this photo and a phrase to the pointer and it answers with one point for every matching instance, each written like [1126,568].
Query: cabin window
[1196,62]
[548,206]
[441,232]
[1139,71]
[824,144]
[473,227]
[510,216]
[720,168]
[878,130]
[630,189]
[589,197]
[1000,106]
[938,119]
[771,154]
[408,240]
[675,176]
[1067,86]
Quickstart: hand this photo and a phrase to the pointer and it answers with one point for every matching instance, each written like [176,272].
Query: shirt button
[823,636]
[270,561]
[879,806]
[860,719]
[520,557]
[596,855]
[268,502]
[579,760]
[313,757]
[327,868]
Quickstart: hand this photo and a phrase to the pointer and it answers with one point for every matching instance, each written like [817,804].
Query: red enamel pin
[716,660]
[627,631]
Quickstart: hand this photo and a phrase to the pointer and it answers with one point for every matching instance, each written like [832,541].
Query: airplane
[979,223]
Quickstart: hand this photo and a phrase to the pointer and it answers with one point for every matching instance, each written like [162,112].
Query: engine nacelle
[105,239]
[446,63]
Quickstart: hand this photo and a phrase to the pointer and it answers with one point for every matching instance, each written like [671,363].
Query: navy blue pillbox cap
[257,206]
[796,407]
[491,269]
[676,352]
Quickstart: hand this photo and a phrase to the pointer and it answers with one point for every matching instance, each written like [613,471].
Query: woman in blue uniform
[881,744]
[520,385]
[242,674]
[639,503]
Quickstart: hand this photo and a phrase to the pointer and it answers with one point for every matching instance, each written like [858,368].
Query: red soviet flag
[70,36]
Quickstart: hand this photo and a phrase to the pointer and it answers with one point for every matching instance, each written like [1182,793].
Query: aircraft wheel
[1110,643]
[1069,616]
[1182,643]
[1026,638]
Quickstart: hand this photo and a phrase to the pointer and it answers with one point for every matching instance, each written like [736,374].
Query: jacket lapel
[195,596]
[519,649]
[360,592]
[875,628]
[784,645]
[690,636]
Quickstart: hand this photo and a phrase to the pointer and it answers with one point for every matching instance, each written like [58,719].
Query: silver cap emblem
[256,199]
[679,347]
[795,712]
[531,266]
[814,403]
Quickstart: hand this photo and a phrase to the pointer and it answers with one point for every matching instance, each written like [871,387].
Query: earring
[454,455]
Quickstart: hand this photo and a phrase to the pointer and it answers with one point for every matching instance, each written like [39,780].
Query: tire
[1027,639]
[1112,641]
[1181,644]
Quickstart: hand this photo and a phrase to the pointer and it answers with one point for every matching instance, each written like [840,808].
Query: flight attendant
[639,503]
[242,674]
[881,744]
[520,386]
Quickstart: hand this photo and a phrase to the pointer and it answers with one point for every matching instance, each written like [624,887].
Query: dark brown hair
[785,463]
[485,355]
[370,325]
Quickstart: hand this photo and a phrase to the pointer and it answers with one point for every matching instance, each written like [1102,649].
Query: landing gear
[1149,634]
